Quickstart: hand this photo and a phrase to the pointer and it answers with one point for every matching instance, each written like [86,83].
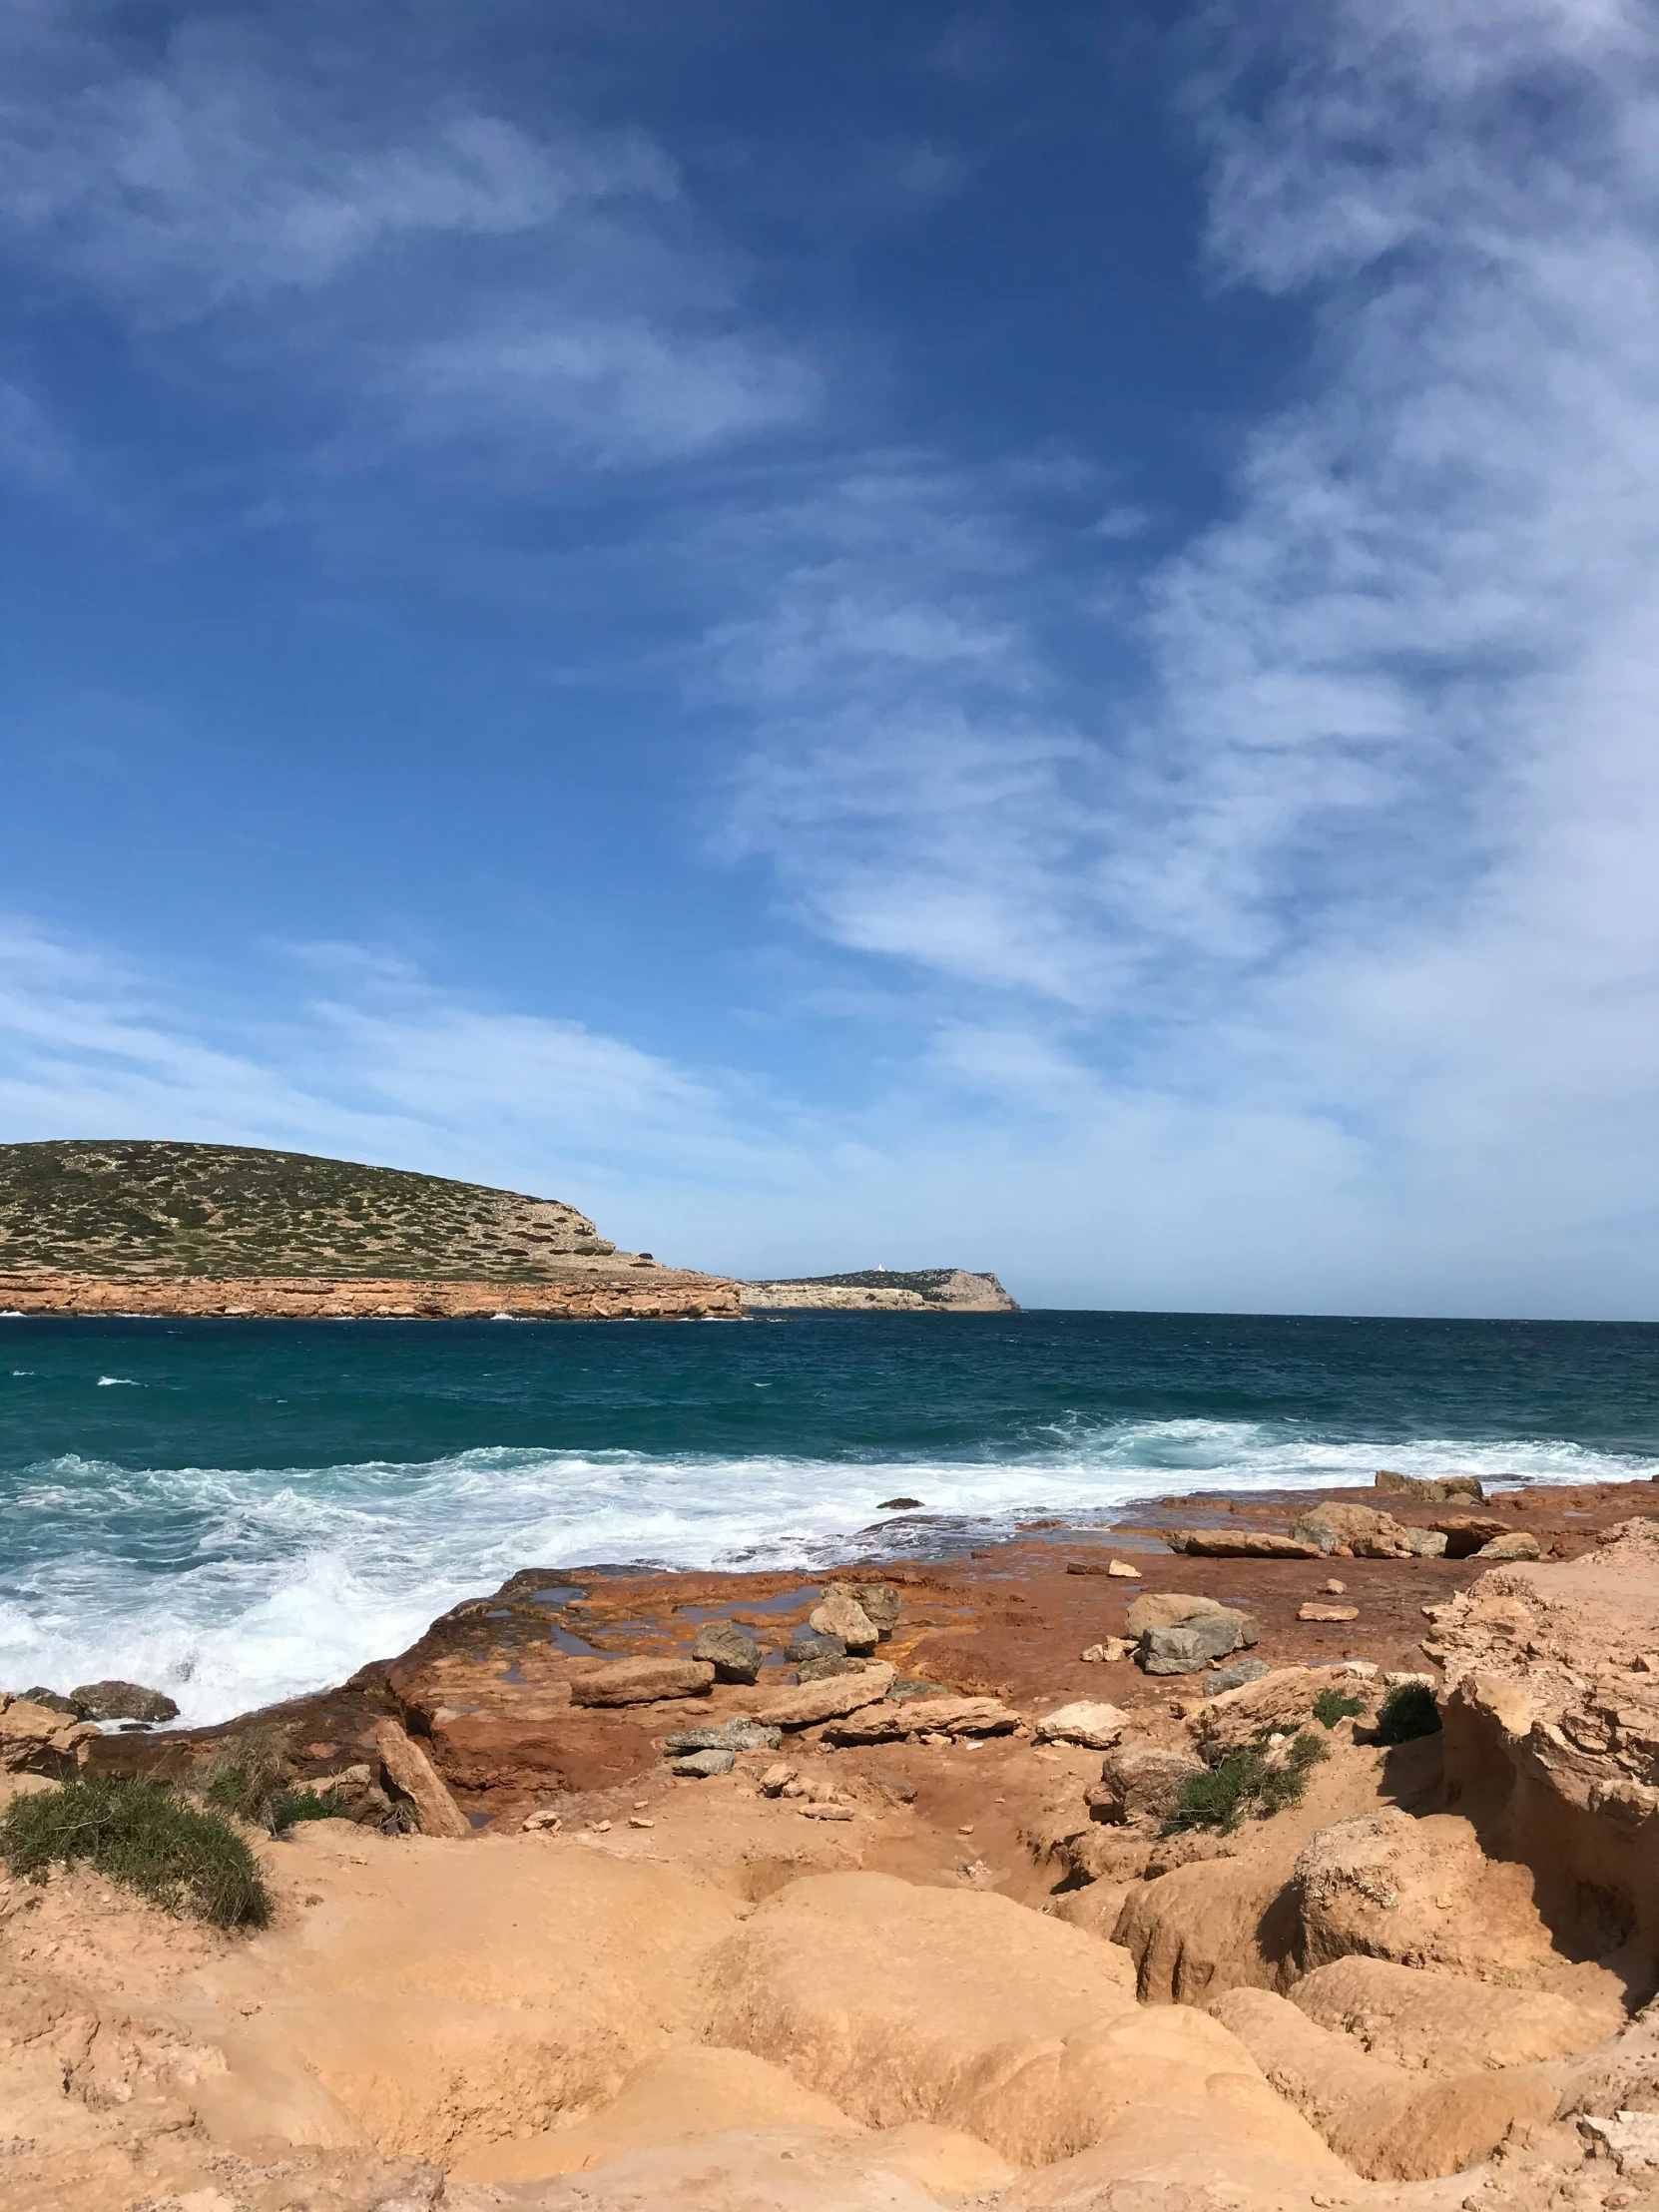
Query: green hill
[127,1208]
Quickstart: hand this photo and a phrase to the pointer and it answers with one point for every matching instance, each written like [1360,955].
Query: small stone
[1108,1653]
[1122,1570]
[1401,1678]
[732,1651]
[702,1766]
[1427,1544]
[1518,1544]
[880,1603]
[776,1780]
[966,1829]
[739,1733]
[602,1828]
[826,1668]
[1333,1588]
[1097,1726]
[1189,1648]
[1312,1612]
[638,1820]
[539,1823]
[642,1680]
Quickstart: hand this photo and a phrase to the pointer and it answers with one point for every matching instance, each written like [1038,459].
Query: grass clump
[294,1806]
[142,1834]
[1408,1712]
[1332,1706]
[249,1779]
[1245,1781]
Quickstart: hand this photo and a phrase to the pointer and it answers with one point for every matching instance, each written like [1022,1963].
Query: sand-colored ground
[889,1964]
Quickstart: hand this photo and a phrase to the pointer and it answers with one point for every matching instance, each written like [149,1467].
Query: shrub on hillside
[1245,1781]
[1332,1706]
[140,1833]
[1408,1712]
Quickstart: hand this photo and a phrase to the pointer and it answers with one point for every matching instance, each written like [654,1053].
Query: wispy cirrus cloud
[430,268]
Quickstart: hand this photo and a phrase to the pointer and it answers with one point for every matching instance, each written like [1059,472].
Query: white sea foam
[232,1588]
[119,1382]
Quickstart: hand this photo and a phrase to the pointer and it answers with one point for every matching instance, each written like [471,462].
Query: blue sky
[1023,637]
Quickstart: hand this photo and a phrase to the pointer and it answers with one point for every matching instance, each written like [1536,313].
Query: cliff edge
[882,1290]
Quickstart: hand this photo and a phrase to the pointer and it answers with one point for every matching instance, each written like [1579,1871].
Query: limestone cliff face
[663,1294]
[882,1290]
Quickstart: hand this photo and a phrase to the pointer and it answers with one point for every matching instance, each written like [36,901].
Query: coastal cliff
[882,1290]
[125,1226]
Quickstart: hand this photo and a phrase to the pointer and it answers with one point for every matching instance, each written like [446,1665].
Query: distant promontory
[140,1226]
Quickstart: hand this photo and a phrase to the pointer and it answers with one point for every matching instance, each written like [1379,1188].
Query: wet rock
[898,1504]
[641,1681]
[841,1615]
[1236,1676]
[52,1702]
[122,1700]
[806,1644]
[701,1766]
[732,1651]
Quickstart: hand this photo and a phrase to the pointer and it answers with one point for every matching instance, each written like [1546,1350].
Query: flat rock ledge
[667,1295]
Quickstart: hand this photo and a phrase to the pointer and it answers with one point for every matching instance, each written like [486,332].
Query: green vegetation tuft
[1332,1706]
[1408,1712]
[126,1209]
[1245,1781]
[294,1806]
[248,1777]
[140,1833]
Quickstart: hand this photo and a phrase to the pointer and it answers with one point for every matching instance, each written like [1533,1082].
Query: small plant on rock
[1244,1781]
[248,1778]
[294,1806]
[1332,1706]
[1409,1711]
[140,1833]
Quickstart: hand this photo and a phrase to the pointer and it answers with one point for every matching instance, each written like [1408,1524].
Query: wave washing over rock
[232,1587]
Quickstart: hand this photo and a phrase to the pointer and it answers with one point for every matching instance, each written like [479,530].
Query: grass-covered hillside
[128,1208]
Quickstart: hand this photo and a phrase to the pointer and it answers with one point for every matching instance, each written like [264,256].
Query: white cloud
[1369,858]
[431,267]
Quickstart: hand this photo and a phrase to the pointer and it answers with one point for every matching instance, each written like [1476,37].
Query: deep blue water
[239,1510]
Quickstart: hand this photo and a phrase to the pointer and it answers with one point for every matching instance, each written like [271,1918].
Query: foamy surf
[232,1588]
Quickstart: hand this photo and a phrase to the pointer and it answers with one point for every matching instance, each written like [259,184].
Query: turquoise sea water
[239,1510]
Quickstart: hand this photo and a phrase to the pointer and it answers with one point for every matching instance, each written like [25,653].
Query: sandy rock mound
[448,2014]
[770,2169]
[1440,2022]
[963,2009]
[1388,2122]
[684,2094]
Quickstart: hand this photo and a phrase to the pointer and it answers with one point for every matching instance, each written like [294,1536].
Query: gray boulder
[807,1643]
[1189,1648]
[52,1702]
[1236,1676]
[698,1765]
[820,1670]
[733,1651]
[880,1603]
[122,1700]
[733,1735]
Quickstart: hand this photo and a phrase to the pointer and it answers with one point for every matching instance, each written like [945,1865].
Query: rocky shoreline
[665,1294]
[892,1887]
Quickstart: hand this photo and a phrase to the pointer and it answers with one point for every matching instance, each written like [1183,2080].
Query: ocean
[237,1511]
